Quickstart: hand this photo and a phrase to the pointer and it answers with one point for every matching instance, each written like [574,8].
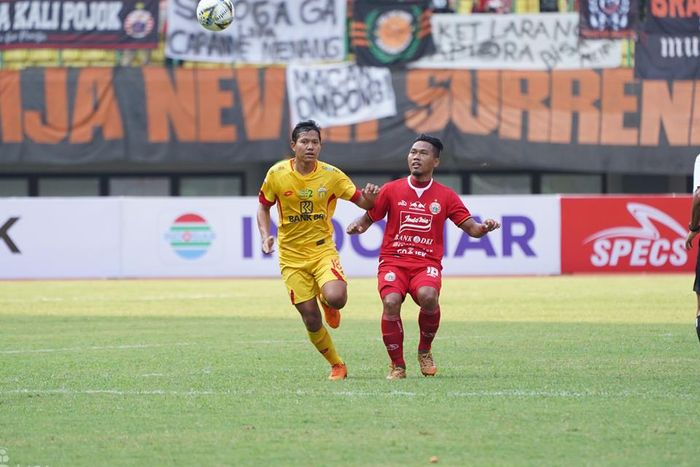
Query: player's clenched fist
[268,244]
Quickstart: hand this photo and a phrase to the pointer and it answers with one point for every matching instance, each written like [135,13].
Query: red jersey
[416,219]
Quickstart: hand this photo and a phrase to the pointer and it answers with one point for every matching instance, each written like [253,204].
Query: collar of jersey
[292,166]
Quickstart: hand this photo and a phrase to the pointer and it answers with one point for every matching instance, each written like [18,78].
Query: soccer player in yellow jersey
[306,191]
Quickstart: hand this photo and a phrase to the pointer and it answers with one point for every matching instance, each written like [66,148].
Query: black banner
[673,17]
[198,119]
[390,32]
[660,56]
[608,20]
[123,24]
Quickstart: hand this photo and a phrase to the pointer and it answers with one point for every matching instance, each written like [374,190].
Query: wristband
[694,228]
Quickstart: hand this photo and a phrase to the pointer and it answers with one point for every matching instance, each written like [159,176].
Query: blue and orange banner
[669,45]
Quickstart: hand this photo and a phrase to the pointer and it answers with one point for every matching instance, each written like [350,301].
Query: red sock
[428,324]
[392,334]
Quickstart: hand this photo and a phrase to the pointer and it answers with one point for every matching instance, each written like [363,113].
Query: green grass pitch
[572,370]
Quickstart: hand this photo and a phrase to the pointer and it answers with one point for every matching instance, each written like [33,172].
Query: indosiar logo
[190,236]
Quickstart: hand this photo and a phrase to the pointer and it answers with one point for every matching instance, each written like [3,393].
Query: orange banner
[584,120]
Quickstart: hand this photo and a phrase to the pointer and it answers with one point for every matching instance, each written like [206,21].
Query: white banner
[527,243]
[262,33]
[218,237]
[193,237]
[59,238]
[547,41]
[339,94]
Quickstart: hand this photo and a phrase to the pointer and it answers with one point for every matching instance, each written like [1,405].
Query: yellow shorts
[305,282]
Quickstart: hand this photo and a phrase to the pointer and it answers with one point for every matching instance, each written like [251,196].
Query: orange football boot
[396,372]
[338,371]
[427,364]
[331,314]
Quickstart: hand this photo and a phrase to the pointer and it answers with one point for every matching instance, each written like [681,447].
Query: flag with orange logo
[390,32]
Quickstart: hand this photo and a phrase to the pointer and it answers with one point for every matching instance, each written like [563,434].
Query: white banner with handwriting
[547,41]
[262,33]
[339,94]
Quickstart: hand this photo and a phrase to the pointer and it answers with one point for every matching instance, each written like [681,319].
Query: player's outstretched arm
[264,221]
[359,225]
[368,195]
[478,230]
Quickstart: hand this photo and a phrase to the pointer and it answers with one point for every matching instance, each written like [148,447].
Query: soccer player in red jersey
[410,259]
[693,230]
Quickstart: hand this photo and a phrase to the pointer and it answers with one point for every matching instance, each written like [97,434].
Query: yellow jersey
[305,205]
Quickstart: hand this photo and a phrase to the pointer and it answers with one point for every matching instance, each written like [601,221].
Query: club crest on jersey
[435,207]
[390,276]
[322,191]
[306,193]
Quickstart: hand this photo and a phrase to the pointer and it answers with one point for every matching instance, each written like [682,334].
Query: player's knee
[392,304]
[428,299]
[338,299]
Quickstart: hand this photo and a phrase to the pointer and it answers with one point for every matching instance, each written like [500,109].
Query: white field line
[96,347]
[146,298]
[114,392]
[505,394]
[240,342]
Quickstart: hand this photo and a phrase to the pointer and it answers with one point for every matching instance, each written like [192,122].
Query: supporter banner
[608,20]
[142,119]
[673,17]
[340,94]
[625,234]
[218,237]
[121,24]
[390,33]
[667,57]
[262,32]
[516,42]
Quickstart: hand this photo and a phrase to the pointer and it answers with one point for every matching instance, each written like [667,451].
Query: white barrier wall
[59,237]
[215,237]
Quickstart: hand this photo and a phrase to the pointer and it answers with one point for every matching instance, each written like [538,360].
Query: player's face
[422,160]
[307,146]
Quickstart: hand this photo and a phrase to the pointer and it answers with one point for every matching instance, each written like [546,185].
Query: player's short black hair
[434,142]
[306,125]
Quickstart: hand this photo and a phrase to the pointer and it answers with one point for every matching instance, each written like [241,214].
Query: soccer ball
[215,15]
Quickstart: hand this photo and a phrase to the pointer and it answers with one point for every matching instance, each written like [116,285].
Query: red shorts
[405,278]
